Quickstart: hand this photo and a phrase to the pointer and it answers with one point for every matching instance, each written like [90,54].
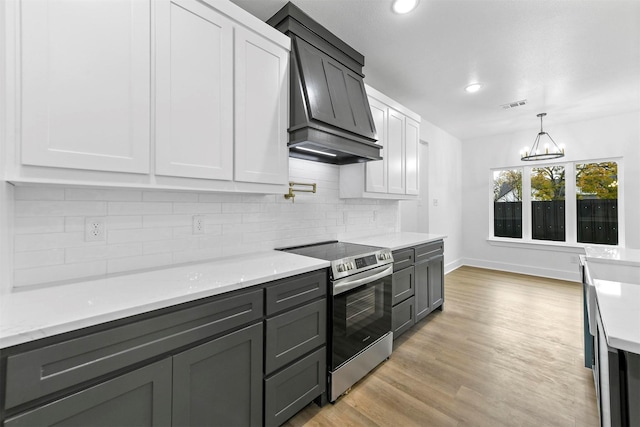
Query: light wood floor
[506,351]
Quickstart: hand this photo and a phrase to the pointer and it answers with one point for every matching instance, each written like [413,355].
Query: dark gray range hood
[329,110]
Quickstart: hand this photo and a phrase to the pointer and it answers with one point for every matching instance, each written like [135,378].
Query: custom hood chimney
[330,118]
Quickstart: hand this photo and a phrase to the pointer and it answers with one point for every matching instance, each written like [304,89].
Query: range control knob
[341,268]
[381,256]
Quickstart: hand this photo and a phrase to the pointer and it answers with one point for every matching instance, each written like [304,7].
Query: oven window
[363,307]
[359,318]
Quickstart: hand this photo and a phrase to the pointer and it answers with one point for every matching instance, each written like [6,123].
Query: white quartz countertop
[612,255]
[38,313]
[395,241]
[619,305]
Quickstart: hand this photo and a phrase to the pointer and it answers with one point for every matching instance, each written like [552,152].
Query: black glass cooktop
[331,251]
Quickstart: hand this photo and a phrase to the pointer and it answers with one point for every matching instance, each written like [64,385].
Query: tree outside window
[548,203]
[597,202]
[507,203]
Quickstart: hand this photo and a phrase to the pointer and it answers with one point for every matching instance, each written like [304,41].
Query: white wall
[617,136]
[414,214]
[147,229]
[445,186]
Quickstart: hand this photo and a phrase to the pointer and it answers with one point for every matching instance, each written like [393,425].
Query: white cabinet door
[396,152]
[261,109]
[194,91]
[412,144]
[376,171]
[85,84]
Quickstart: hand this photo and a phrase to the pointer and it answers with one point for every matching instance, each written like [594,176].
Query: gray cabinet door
[403,316]
[436,282]
[292,334]
[219,383]
[422,305]
[140,398]
[402,285]
[292,388]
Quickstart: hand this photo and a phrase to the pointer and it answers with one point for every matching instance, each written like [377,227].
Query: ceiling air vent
[514,104]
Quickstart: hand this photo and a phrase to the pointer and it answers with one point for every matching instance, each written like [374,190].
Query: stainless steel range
[360,309]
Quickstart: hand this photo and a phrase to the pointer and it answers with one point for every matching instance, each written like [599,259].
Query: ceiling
[573,59]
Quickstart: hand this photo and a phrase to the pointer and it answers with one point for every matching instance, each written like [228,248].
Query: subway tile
[124,222]
[139,235]
[38,225]
[241,207]
[94,253]
[74,223]
[56,273]
[138,263]
[219,198]
[169,196]
[38,193]
[193,255]
[166,246]
[37,242]
[139,208]
[196,208]
[108,195]
[59,208]
[150,221]
[38,258]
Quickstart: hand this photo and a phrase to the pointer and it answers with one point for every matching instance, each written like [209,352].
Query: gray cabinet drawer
[403,285]
[402,259]
[288,293]
[291,389]
[45,370]
[424,252]
[141,397]
[403,317]
[294,333]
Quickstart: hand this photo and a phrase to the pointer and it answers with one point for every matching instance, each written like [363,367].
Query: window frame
[571,223]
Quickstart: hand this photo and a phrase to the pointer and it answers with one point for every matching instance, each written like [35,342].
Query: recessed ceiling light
[473,87]
[404,6]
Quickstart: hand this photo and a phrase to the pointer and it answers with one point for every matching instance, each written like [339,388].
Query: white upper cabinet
[194,91]
[412,143]
[376,172]
[261,109]
[166,94]
[396,176]
[84,84]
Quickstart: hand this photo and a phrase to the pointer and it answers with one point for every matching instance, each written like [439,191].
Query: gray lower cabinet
[418,284]
[291,389]
[203,363]
[141,398]
[220,382]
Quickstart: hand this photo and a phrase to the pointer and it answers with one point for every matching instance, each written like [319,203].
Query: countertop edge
[37,330]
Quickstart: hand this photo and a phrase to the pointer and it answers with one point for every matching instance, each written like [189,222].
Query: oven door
[360,312]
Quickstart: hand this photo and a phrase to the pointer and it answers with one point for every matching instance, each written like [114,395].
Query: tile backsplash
[148,229]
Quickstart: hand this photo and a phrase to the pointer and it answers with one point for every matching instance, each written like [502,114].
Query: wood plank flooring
[506,351]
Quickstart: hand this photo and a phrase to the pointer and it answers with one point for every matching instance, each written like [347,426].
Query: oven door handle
[348,283]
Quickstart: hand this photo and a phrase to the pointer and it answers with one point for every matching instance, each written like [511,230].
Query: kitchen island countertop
[395,241]
[28,315]
[619,306]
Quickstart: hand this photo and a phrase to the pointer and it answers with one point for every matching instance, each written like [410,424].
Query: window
[507,203]
[597,202]
[561,202]
[547,203]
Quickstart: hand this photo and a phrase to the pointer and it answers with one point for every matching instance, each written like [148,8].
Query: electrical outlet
[95,229]
[198,224]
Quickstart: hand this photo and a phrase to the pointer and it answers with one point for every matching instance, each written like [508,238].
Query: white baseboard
[572,276]
[448,268]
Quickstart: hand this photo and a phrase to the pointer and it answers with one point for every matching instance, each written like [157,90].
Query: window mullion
[526,203]
[570,203]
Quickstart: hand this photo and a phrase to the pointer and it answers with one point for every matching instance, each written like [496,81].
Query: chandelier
[546,151]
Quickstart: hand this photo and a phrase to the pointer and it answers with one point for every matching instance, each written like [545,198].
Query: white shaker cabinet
[151,94]
[261,109]
[84,84]
[396,176]
[194,91]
